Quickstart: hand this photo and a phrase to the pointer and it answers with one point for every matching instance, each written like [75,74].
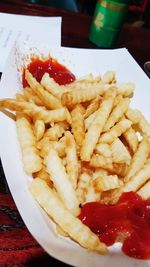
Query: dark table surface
[75,29]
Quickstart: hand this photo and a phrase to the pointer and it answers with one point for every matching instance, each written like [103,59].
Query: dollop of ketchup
[56,71]
[128,222]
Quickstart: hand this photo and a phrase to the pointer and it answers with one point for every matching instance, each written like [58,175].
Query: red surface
[16,243]
[128,220]
[57,71]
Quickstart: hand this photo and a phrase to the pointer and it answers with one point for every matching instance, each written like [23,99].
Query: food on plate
[88,152]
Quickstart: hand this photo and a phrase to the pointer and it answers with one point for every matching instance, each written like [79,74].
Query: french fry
[36,112]
[138,180]
[80,96]
[59,146]
[61,181]
[30,96]
[89,120]
[121,127]
[144,126]
[79,232]
[108,77]
[120,154]
[39,129]
[43,174]
[131,139]
[105,183]
[104,150]
[138,160]
[82,186]
[117,113]
[144,191]
[126,89]
[133,115]
[55,132]
[93,106]
[50,101]
[92,195]
[71,159]
[78,127]
[99,161]
[30,155]
[20,97]
[50,85]
[95,129]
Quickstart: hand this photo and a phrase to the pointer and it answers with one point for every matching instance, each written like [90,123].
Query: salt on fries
[81,142]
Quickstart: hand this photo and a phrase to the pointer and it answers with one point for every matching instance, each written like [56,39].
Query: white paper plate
[80,62]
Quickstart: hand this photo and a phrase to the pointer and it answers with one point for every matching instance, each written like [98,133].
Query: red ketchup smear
[56,71]
[127,221]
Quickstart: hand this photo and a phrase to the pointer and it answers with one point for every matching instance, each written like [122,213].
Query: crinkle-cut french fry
[30,96]
[126,89]
[20,97]
[82,186]
[115,131]
[61,181]
[81,95]
[89,120]
[131,139]
[144,191]
[89,78]
[144,126]
[109,77]
[99,172]
[133,115]
[138,180]
[65,125]
[92,195]
[98,161]
[78,127]
[79,232]
[42,174]
[117,113]
[59,146]
[51,86]
[93,106]
[57,115]
[104,150]
[50,101]
[55,132]
[118,98]
[138,159]
[13,104]
[49,116]
[30,154]
[54,88]
[119,169]
[120,153]
[105,183]
[71,159]
[101,161]
[111,196]
[96,127]
[39,129]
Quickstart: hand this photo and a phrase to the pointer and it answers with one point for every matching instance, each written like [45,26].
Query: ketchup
[56,71]
[128,222]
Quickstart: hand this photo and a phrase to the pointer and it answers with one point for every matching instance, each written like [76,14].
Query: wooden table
[75,29]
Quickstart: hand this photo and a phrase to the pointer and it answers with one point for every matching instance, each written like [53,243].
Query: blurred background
[138,13]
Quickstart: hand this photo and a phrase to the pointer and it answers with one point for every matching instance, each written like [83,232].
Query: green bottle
[107,22]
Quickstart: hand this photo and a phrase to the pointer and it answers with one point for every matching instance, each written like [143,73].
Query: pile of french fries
[80,142]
